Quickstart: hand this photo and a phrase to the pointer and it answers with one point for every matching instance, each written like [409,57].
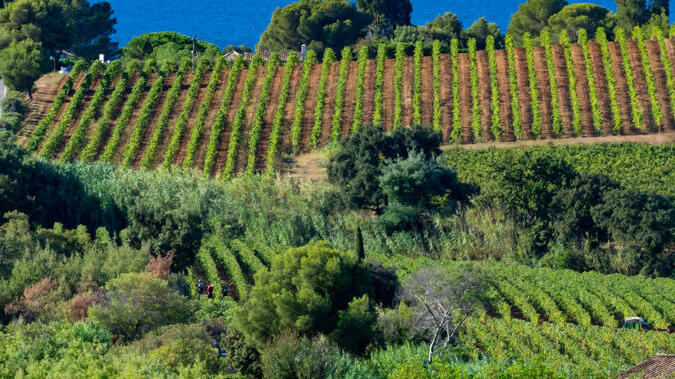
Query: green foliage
[205,106]
[22,63]
[386,15]
[167,47]
[513,88]
[53,143]
[240,118]
[630,13]
[436,56]
[456,134]
[590,75]
[475,98]
[290,356]
[336,125]
[638,115]
[164,117]
[533,85]
[601,39]
[334,24]
[574,99]
[531,18]
[494,89]
[575,17]
[143,120]
[138,303]
[328,59]
[379,84]
[183,117]
[358,165]
[360,83]
[550,65]
[417,84]
[304,291]
[301,98]
[261,110]
[398,85]
[657,114]
[109,113]
[275,134]
[79,134]
[127,112]
[77,26]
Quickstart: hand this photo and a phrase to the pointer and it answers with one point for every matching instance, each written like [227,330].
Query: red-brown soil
[308,116]
[485,90]
[465,100]
[369,94]
[132,121]
[544,85]
[147,135]
[185,138]
[388,95]
[223,146]
[168,133]
[242,153]
[446,97]
[563,83]
[213,112]
[505,111]
[350,100]
[523,91]
[582,90]
[622,94]
[263,144]
[329,103]
[427,98]
[662,92]
[407,92]
[641,84]
[601,88]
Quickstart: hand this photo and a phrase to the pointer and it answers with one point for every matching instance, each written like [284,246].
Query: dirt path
[427,98]
[388,95]
[582,90]
[465,101]
[622,95]
[407,93]
[505,111]
[47,87]
[185,138]
[171,125]
[563,83]
[369,93]
[523,91]
[223,145]
[263,144]
[641,85]
[485,95]
[149,129]
[446,97]
[654,53]
[545,107]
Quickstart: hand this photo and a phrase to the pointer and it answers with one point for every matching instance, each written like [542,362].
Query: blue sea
[241,22]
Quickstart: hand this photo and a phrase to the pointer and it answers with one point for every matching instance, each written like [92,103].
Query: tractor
[639,323]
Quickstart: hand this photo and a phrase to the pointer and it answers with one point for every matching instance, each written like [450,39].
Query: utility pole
[194,43]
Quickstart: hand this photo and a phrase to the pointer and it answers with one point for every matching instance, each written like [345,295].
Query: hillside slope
[601,106]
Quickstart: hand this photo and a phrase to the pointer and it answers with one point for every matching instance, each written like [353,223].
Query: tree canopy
[387,14]
[630,13]
[532,17]
[166,47]
[75,26]
[22,63]
[319,24]
[581,16]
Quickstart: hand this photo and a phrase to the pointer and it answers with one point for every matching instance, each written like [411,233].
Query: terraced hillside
[238,117]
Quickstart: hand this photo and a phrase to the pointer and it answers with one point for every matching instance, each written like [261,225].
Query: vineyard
[244,116]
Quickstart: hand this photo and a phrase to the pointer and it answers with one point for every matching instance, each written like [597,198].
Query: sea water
[241,22]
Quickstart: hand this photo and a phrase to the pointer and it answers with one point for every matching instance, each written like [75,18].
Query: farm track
[147,134]
[505,110]
[484,94]
[180,156]
[545,108]
[51,85]
[563,82]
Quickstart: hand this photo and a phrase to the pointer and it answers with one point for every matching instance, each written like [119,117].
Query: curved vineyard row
[275,115]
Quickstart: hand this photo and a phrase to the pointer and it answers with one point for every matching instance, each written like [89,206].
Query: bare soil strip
[350,100]
[523,91]
[369,93]
[446,97]
[185,138]
[544,85]
[329,103]
[310,105]
[406,96]
[601,88]
[263,144]
[290,109]
[465,101]
[641,85]
[178,107]
[427,98]
[563,83]
[622,95]
[662,92]
[388,95]
[242,153]
[505,111]
[484,93]
[76,119]
[153,120]
[46,89]
[582,90]
[117,158]
[221,154]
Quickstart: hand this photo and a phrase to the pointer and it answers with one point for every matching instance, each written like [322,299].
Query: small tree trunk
[433,343]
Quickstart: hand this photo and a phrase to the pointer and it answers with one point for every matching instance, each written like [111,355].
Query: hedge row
[475,98]
[553,83]
[261,110]
[417,84]
[54,141]
[533,85]
[398,85]
[79,134]
[494,88]
[574,99]
[183,117]
[379,84]
[127,111]
[40,131]
[360,88]
[300,99]
[638,116]
[649,77]
[143,119]
[328,59]
[590,75]
[240,117]
[340,93]
[89,152]
[513,88]
[205,107]
[601,39]
[275,134]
